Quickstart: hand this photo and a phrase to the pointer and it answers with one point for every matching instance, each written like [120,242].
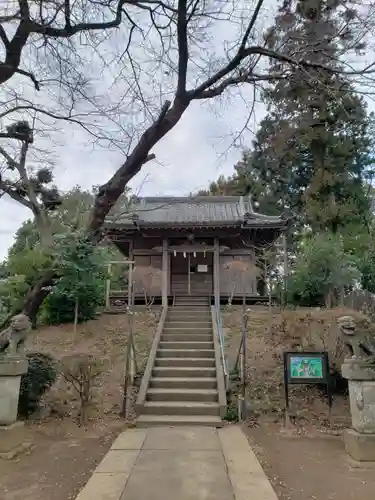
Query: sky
[199,149]
[192,155]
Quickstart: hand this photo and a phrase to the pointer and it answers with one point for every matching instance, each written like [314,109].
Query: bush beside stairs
[183,383]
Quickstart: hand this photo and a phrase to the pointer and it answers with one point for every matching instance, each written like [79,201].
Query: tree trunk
[329,299]
[269,297]
[76,310]
[110,192]
[342,296]
[37,295]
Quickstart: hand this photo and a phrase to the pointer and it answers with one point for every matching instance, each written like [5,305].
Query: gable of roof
[199,210]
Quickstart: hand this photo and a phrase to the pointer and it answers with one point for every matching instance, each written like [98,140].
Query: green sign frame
[307,367]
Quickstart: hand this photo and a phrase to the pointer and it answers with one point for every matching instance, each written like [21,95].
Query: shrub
[81,370]
[12,290]
[80,289]
[322,271]
[41,375]
[60,307]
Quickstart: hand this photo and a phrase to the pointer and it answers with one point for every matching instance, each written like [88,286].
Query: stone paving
[184,463]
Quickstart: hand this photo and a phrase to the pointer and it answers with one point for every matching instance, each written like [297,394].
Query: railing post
[108,286]
[243,357]
[130,275]
[216,273]
[165,273]
[286,272]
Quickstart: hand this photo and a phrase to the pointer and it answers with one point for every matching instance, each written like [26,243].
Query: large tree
[312,150]
[72,213]
[248,181]
[163,56]
[29,257]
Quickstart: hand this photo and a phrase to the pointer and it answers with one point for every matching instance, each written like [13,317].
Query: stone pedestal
[360,440]
[11,369]
[12,437]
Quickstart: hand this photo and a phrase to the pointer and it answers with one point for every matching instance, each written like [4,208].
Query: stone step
[185,295]
[187,345]
[193,313]
[186,329]
[197,395]
[189,308]
[178,420]
[193,362]
[189,298]
[191,302]
[187,337]
[187,324]
[182,318]
[183,383]
[193,296]
[180,408]
[185,353]
[183,371]
[191,305]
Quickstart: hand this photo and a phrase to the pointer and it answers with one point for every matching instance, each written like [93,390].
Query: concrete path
[184,463]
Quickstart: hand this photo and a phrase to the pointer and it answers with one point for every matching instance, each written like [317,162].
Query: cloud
[192,155]
[12,214]
[204,144]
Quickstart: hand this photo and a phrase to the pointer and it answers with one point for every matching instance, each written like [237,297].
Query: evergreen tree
[311,152]
[223,186]
[245,182]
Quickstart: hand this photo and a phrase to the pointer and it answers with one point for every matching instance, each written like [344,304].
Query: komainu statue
[13,338]
[361,344]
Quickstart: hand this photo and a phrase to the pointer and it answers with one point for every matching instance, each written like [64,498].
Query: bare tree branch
[9,159]
[183,53]
[234,64]
[14,195]
[157,44]
[29,75]
[3,37]
[246,77]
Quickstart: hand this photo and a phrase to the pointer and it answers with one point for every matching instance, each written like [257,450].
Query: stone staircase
[184,383]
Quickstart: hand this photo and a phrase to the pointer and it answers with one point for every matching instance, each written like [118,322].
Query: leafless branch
[183,53]
[5,188]
[164,55]
[245,77]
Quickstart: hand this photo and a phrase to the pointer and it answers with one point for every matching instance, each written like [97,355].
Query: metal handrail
[221,340]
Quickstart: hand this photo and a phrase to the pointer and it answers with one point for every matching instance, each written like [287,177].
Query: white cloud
[188,158]
[202,146]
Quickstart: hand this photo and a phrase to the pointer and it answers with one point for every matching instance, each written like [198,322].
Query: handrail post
[221,369]
[150,361]
[221,340]
[244,360]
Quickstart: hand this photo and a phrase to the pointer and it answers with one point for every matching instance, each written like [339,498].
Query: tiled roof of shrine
[159,212]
